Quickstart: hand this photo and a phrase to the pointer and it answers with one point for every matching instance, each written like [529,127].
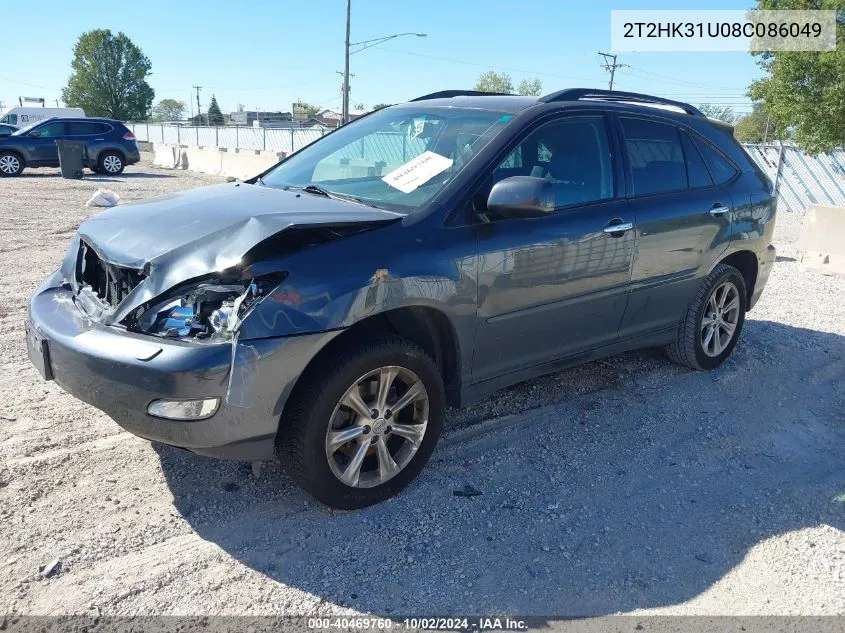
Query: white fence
[801,179]
[230,136]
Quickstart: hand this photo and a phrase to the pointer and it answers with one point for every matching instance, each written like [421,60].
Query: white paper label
[417,171]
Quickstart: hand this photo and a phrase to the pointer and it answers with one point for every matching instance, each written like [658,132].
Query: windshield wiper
[313,189]
[319,191]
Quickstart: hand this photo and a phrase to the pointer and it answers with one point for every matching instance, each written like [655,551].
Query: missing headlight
[205,311]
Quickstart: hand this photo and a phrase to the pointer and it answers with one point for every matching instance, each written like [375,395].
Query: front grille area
[110,283]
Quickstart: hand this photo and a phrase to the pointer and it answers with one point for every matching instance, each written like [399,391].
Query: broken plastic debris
[50,568]
[103,198]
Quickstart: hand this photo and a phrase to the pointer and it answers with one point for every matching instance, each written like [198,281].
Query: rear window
[655,155]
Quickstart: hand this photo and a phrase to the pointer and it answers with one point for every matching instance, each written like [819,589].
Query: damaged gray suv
[428,254]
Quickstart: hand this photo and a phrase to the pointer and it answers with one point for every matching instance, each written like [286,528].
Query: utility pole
[199,108]
[344,119]
[611,66]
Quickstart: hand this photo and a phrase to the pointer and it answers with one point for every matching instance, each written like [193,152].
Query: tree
[532,87]
[803,90]
[109,77]
[380,106]
[215,116]
[169,110]
[492,81]
[756,127]
[310,108]
[720,113]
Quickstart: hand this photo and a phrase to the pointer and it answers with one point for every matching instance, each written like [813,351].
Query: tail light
[129,136]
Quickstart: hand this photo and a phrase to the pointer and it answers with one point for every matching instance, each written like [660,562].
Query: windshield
[396,159]
[25,129]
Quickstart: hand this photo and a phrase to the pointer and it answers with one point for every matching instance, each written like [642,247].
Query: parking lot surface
[626,485]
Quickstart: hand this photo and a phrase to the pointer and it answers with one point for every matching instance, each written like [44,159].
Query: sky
[267,54]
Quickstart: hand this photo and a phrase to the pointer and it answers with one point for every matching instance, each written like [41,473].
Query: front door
[554,286]
[43,147]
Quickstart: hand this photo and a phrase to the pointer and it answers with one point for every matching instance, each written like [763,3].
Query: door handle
[718,210]
[621,227]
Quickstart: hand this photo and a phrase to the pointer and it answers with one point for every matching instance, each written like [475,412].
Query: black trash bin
[71,156]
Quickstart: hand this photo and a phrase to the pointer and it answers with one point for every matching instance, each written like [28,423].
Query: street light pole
[344,119]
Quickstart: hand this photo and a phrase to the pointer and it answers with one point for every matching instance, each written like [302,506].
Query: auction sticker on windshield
[417,171]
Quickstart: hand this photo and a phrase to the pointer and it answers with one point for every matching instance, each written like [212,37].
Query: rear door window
[722,169]
[86,128]
[655,155]
[697,172]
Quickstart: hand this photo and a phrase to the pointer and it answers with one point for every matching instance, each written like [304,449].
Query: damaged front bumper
[121,373]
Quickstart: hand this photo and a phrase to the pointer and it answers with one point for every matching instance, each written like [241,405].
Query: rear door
[682,219]
[92,133]
[43,149]
[554,286]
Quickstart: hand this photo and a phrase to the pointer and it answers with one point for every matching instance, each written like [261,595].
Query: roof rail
[576,94]
[447,94]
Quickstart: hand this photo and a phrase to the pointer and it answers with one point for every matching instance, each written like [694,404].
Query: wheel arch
[746,263]
[428,327]
[13,150]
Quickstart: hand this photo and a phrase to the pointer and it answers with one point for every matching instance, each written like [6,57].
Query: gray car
[427,254]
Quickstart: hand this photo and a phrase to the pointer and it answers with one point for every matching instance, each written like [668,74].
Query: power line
[610,66]
[484,65]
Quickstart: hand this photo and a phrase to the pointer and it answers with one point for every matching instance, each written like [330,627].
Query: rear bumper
[121,373]
[765,261]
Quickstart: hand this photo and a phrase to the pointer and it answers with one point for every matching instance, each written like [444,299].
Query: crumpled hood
[177,237]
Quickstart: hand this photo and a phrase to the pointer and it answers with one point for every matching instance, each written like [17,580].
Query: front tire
[110,163]
[364,423]
[11,164]
[711,327]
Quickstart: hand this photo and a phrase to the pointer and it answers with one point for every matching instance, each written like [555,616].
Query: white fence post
[264,138]
[237,136]
[178,134]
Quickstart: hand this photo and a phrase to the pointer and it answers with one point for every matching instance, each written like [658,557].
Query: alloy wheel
[9,164]
[112,164]
[720,320]
[377,427]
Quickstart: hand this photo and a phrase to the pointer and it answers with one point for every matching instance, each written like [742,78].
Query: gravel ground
[627,485]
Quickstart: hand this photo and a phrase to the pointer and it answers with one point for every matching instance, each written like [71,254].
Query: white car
[22,116]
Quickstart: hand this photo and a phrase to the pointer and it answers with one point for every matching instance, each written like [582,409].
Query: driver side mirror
[522,197]
[34,134]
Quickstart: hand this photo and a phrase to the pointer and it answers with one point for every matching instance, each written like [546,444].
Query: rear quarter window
[720,167]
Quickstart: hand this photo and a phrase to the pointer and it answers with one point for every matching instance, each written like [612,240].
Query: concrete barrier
[248,163]
[241,164]
[165,155]
[822,239]
[206,160]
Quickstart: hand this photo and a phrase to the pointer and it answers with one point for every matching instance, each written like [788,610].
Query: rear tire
[321,460]
[11,164]
[711,327]
[110,164]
